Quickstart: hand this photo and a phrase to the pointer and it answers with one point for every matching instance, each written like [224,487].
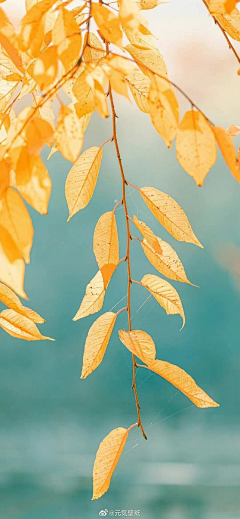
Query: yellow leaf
[96,342]
[38,133]
[8,40]
[45,68]
[148,234]
[169,214]
[93,299]
[227,148]
[94,51]
[222,6]
[5,169]
[150,4]
[141,37]
[33,181]
[9,298]
[140,344]
[19,326]
[108,24]
[196,146]
[149,61]
[129,14]
[67,136]
[182,381]
[12,266]
[84,94]
[165,294]
[139,85]
[15,218]
[233,130]
[82,179]
[167,263]
[105,245]
[67,37]
[107,458]
[6,91]
[33,28]
[163,109]
[231,23]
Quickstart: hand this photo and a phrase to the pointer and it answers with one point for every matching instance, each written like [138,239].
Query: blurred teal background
[51,421]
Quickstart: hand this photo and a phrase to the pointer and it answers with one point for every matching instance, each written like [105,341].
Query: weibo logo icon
[103,513]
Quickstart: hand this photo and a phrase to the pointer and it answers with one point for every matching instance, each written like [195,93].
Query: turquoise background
[52,422]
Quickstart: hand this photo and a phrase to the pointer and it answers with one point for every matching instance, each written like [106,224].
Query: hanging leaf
[169,214]
[167,263]
[148,234]
[12,267]
[67,37]
[196,146]
[94,51]
[84,94]
[129,12]
[105,245]
[149,61]
[227,148]
[67,136]
[141,36]
[33,181]
[108,23]
[45,68]
[165,294]
[96,342]
[231,23]
[150,4]
[139,85]
[82,179]
[9,298]
[32,28]
[20,327]
[15,218]
[107,458]
[93,299]
[140,344]
[163,109]
[182,381]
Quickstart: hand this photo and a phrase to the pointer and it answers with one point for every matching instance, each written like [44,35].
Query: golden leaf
[150,4]
[67,37]
[6,91]
[9,298]
[169,214]
[108,23]
[94,51]
[182,381]
[167,263]
[32,28]
[5,168]
[196,146]
[45,68]
[20,326]
[233,130]
[96,342]
[140,344]
[8,40]
[141,37]
[105,245]
[227,148]
[148,234]
[139,85]
[82,179]
[107,458]
[12,266]
[129,15]
[15,218]
[163,109]
[93,299]
[222,6]
[84,94]
[38,133]
[165,294]
[33,181]
[149,61]
[67,136]
[231,23]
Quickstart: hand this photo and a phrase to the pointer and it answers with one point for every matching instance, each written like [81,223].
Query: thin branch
[124,182]
[231,47]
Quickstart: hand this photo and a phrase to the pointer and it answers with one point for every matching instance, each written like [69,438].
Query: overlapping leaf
[93,299]
[140,344]
[20,326]
[9,298]
[165,294]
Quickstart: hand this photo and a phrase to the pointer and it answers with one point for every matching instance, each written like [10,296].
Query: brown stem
[223,31]
[124,182]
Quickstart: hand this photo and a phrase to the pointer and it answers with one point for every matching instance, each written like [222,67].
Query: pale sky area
[196,53]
